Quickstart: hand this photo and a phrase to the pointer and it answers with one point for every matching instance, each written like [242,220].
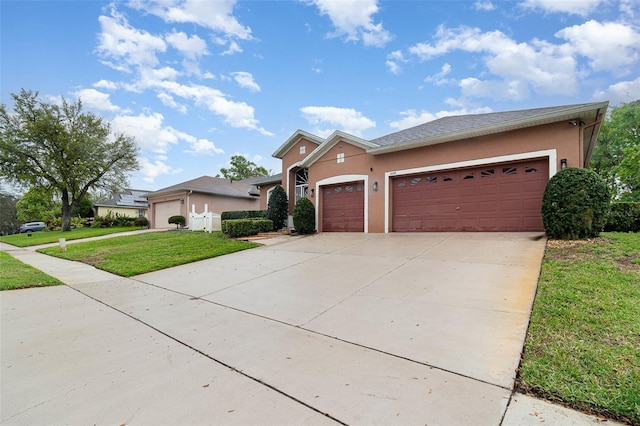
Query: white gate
[206,221]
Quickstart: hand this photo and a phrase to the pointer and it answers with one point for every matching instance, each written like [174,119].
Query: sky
[196,82]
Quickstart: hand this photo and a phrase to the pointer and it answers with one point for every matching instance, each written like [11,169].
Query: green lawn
[138,254]
[44,237]
[16,274]
[583,343]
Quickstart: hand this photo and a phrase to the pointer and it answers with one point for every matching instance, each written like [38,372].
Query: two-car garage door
[501,197]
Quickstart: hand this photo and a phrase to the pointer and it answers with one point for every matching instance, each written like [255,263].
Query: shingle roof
[263,180]
[131,198]
[465,126]
[211,185]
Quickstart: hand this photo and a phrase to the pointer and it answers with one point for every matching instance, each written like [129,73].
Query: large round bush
[304,216]
[278,208]
[575,204]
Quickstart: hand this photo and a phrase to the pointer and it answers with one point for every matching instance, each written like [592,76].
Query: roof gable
[296,137]
[331,141]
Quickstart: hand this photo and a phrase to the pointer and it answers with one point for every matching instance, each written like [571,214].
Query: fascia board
[293,139]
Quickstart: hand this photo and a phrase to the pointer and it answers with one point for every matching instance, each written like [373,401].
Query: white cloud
[413,118]
[345,119]
[94,99]
[581,7]
[168,100]
[191,47]
[150,170]
[439,78]
[394,61]
[120,42]
[105,84]
[354,19]
[245,80]
[621,92]
[149,131]
[215,15]
[233,48]
[538,66]
[609,46]
[485,5]
[204,147]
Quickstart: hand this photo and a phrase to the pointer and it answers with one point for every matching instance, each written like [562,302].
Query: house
[216,194]
[130,203]
[479,172]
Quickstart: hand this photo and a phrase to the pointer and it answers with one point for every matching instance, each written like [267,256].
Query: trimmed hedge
[575,204]
[243,214]
[178,220]
[244,227]
[304,216]
[624,217]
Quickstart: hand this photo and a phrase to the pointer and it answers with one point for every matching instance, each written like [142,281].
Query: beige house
[213,194]
[130,203]
[481,172]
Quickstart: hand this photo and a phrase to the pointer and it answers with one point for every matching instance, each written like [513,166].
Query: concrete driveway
[348,328]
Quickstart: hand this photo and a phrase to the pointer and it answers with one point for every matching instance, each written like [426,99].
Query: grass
[137,254]
[583,343]
[45,237]
[16,274]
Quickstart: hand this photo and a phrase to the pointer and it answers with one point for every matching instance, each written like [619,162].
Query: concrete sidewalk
[156,349]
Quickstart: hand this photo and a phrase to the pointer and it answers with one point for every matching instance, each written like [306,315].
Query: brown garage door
[500,197]
[343,207]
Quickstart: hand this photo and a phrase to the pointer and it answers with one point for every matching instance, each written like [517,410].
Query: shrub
[141,221]
[243,214]
[178,220]
[304,216]
[624,217]
[575,204]
[244,227]
[278,209]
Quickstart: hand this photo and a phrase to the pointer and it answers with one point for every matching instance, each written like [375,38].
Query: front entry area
[498,197]
[343,207]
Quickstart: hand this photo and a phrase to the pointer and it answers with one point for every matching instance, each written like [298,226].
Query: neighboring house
[130,203]
[217,194]
[481,172]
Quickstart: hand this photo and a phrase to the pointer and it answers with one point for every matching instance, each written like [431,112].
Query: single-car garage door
[499,197]
[343,207]
[163,211]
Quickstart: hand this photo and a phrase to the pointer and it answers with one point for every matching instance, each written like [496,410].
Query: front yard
[16,274]
[583,343]
[46,237]
[137,254]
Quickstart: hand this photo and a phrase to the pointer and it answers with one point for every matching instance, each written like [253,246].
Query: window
[487,173]
[302,184]
[340,157]
[509,170]
[303,149]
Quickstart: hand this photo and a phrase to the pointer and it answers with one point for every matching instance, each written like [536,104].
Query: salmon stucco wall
[562,137]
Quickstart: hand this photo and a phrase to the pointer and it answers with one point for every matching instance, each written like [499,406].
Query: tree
[59,146]
[8,214]
[278,208]
[38,204]
[618,148]
[241,168]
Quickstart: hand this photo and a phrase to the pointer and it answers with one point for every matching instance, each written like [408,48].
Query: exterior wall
[215,203]
[561,137]
[122,211]
[292,157]
[264,195]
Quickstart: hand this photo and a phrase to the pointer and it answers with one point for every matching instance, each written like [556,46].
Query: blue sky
[196,81]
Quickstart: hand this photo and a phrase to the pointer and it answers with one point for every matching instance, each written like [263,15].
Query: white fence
[206,221]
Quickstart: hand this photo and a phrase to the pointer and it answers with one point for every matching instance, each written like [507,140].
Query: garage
[343,207]
[498,197]
[163,211]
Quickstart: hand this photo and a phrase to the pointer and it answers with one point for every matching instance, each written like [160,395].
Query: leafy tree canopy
[59,146]
[616,157]
[241,168]
[38,204]
[8,213]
